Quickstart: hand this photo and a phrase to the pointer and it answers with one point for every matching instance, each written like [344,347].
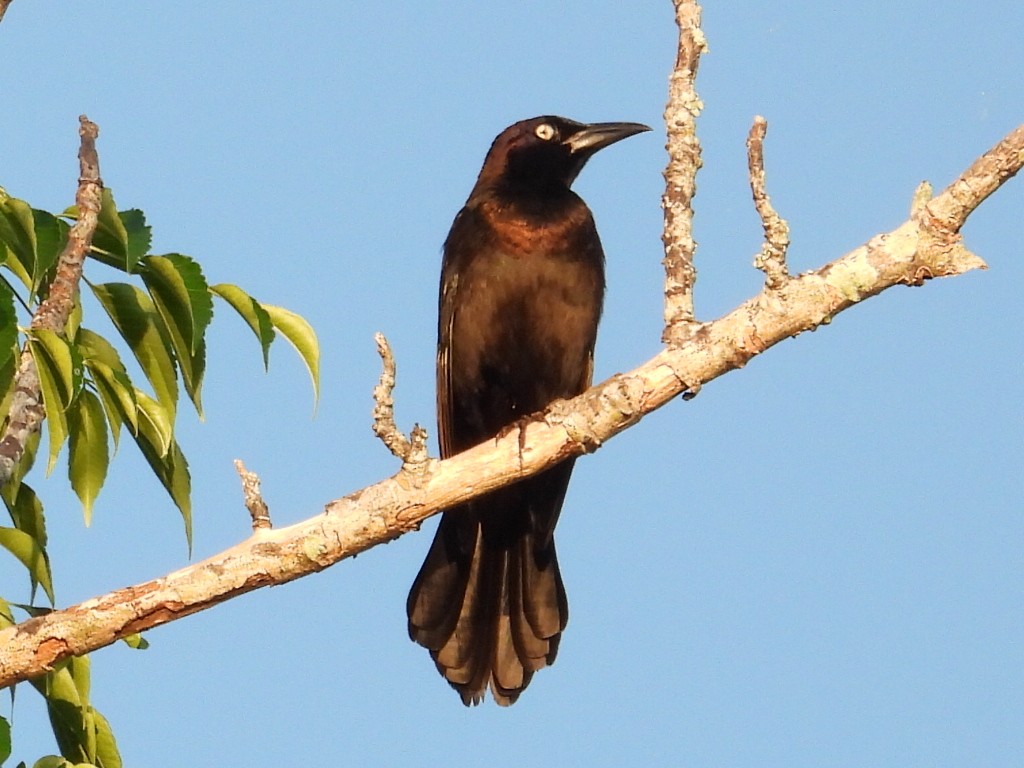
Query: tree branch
[258,509]
[681,175]
[411,450]
[772,258]
[26,412]
[927,245]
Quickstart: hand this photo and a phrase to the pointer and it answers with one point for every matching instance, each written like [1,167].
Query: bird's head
[547,153]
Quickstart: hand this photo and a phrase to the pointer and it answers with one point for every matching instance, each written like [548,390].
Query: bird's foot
[520,425]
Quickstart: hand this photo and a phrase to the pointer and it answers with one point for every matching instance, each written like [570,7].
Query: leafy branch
[61,373]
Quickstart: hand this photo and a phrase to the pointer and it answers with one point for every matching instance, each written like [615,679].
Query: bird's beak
[590,138]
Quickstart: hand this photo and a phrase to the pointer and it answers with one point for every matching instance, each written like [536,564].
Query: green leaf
[110,222]
[264,318]
[57,388]
[70,718]
[134,640]
[121,237]
[252,312]
[178,281]
[64,362]
[88,455]
[96,347]
[6,615]
[107,753]
[31,555]
[182,298]
[110,240]
[7,371]
[140,235]
[81,676]
[26,512]
[59,367]
[155,440]
[8,325]
[111,380]
[117,396]
[138,322]
[17,233]
[50,761]
[171,469]
[50,235]
[154,423]
[5,740]
[302,336]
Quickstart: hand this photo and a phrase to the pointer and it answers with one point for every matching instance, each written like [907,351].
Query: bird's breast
[560,227]
[527,301]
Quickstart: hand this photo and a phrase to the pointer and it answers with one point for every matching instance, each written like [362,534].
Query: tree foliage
[93,388]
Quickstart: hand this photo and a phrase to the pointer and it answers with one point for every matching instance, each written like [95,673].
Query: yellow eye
[545,132]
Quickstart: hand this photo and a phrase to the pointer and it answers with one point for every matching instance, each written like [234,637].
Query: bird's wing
[446,318]
[451,266]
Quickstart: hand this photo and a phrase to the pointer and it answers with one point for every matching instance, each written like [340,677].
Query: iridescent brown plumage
[522,284]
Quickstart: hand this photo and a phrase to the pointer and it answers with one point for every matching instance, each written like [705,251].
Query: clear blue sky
[816,562]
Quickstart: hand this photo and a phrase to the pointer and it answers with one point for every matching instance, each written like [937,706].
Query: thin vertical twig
[684,152]
[253,498]
[26,412]
[772,257]
[412,450]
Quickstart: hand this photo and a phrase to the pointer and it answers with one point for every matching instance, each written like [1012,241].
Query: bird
[521,293]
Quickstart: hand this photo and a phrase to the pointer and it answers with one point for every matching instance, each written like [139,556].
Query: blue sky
[816,562]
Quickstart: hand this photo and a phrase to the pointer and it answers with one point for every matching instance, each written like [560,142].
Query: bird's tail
[489,602]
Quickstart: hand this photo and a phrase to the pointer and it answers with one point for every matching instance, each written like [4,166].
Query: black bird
[522,283]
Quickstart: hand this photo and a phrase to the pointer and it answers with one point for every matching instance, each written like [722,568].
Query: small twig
[26,411]
[418,456]
[681,176]
[411,450]
[922,196]
[772,258]
[384,425]
[258,509]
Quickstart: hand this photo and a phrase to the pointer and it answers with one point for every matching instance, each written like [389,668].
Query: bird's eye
[545,132]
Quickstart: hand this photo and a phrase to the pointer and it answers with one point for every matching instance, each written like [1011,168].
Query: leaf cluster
[160,307]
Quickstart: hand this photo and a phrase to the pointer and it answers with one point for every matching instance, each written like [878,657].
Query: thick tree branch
[950,210]
[26,412]
[926,245]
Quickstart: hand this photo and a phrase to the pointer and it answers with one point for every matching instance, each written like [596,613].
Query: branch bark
[927,245]
[411,450]
[258,509]
[772,258]
[26,413]
[684,106]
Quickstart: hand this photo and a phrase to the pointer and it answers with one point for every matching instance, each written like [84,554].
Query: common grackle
[522,283]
